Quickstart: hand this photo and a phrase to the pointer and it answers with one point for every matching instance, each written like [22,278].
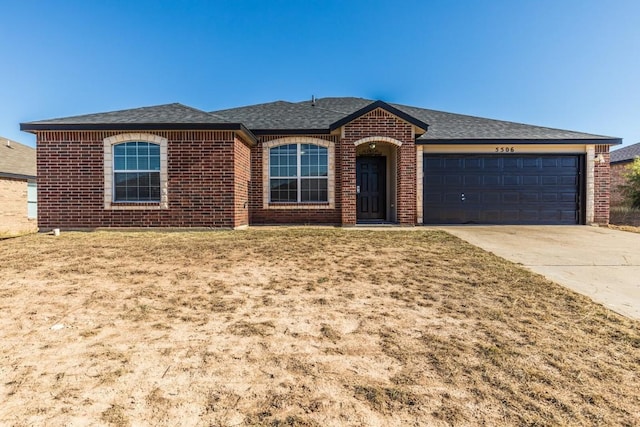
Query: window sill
[303,205]
[135,206]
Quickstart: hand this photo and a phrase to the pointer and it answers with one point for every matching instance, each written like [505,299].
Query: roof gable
[383,105]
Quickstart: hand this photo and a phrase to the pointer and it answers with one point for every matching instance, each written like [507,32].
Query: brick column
[602,184]
[407,183]
[348,181]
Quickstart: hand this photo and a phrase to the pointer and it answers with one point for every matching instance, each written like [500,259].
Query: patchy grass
[629,228]
[301,327]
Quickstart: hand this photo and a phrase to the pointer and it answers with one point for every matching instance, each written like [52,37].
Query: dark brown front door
[371,188]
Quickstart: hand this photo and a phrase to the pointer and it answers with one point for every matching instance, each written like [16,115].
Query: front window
[298,173]
[136,172]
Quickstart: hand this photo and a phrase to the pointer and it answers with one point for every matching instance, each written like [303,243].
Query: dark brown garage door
[486,189]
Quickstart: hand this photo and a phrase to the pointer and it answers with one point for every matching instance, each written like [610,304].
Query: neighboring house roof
[625,154]
[17,160]
[319,116]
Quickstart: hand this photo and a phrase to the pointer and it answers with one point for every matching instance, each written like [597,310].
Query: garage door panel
[498,189]
[491,197]
[510,197]
[450,163]
[452,197]
[491,180]
[453,179]
[492,163]
[511,180]
[529,197]
[568,180]
[511,162]
[472,180]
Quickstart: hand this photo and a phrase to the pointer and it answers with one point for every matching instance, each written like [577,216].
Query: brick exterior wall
[602,185]
[289,214]
[617,179]
[201,182]
[380,123]
[13,208]
[217,179]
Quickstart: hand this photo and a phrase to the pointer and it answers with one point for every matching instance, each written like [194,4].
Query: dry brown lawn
[300,327]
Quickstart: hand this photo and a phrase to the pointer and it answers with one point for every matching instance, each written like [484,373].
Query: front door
[371,188]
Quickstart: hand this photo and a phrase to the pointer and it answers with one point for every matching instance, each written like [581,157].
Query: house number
[505,150]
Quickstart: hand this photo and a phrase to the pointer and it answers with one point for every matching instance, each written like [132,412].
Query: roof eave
[19,176]
[291,131]
[380,104]
[236,127]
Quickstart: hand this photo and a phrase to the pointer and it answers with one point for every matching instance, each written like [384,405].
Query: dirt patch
[300,327]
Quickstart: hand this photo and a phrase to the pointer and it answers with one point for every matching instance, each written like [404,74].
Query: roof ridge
[197,109]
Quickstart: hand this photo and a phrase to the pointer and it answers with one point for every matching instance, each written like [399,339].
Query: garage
[503,189]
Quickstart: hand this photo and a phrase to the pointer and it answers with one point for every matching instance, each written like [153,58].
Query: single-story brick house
[620,159]
[340,161]
[18,201]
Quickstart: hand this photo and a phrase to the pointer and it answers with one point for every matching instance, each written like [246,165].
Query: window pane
[143,149]
[137,187]
[154,150]
[314,190]
[284,190]
[154,163]
[313,160]
[118,150]
[143,163]
[119,163]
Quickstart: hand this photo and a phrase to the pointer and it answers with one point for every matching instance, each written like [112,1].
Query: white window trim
[266,181]
[108,171]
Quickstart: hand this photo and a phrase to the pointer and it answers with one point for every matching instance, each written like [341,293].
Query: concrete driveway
[601,263]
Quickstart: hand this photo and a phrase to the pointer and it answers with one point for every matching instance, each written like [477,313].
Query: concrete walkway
[601,263]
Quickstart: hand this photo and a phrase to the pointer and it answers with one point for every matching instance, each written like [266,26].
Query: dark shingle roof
[159,117]
[167,113]
[321,116]
[626,154]
[282,115]
[17,160]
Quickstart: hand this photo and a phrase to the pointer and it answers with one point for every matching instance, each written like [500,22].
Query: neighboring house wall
[618,171]
[13,207]
[202,182]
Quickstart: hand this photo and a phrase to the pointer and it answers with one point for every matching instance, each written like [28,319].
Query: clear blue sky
[570,64]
